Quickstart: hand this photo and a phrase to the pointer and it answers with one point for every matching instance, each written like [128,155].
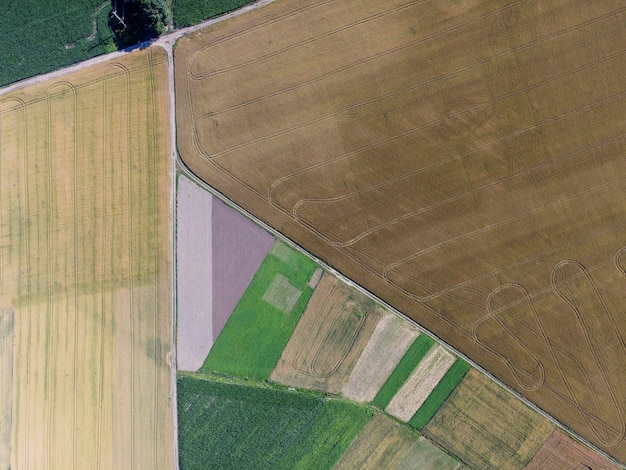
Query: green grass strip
[439,394]
[256,333]
[403,370]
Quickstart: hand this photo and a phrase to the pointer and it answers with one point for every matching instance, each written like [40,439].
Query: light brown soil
[390,340]
[86,266]
[329,338]
[420,383]
[6,386]
[447,157]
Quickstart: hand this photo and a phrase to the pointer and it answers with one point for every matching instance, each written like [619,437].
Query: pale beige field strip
[390,340]
[422,381]
[85,265]
[6,386]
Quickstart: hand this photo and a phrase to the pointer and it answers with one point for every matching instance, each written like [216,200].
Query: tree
[136,21]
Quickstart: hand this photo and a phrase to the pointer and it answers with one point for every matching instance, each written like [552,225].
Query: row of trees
[136,21]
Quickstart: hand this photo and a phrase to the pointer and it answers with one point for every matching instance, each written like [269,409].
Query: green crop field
[189,12]
[38,37]
[262,323]
[440,393]
[236,426]
[407,364]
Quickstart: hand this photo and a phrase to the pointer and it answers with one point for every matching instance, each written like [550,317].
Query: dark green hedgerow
[190,12]
[223,426]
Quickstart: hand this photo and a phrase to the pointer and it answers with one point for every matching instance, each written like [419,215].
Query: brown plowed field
[561,452]
[85,266]
[462,160]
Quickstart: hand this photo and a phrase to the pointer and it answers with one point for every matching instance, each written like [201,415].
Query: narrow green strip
[439,394]
[403,370]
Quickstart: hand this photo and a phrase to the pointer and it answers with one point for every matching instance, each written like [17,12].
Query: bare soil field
[561,452]
[218,252]
[329,338]
[421,383]
[85,265]
[384,443]
[389,341]
[486,426]
[463,161]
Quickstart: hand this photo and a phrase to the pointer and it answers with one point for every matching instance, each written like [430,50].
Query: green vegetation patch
[224,426]
[38,37]
[439,394]
[190,12]
[403,370]
[257,331]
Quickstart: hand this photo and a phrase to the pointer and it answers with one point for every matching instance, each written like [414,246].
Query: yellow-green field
[488,427]
[85,266]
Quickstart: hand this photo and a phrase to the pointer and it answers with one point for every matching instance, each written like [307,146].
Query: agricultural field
[561,452]
[403,370]
[40,37]
[486,426]
[85,266]
[383,443]
[382,353]
[264,319]
[476,185]
[218,251]
[6,386]
[236,426]
[328,340]
[190,12]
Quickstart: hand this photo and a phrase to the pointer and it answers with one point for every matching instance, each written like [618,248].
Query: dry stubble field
[462,160]
[85,266]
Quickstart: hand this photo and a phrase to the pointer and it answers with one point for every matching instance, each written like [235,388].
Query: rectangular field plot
[476,185]
[382,353]
[85,265]
[235,426]
[562,452]
[420,384]
[439,394]
[385,444]
[403,370]
[330,337]
[261,324]
[6,386]
[488,427]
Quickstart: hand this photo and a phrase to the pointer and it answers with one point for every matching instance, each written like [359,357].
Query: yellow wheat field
[85,266]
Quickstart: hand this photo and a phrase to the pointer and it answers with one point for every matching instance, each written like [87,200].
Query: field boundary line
[183,168]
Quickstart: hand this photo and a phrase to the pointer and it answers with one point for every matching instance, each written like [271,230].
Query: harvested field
[382,353]
[476,185]
[85,265]
[561,452]
[383,443]
[6,386]
[488,427]
[420,384]
[330,337]
[218,252]
[259,328]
